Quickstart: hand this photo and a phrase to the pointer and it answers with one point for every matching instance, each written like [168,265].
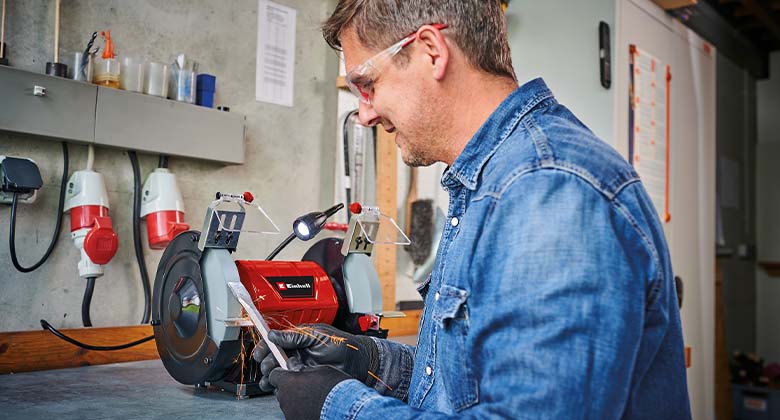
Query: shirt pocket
[453,359]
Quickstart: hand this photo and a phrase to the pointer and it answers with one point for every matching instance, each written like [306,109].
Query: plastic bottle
[107,70]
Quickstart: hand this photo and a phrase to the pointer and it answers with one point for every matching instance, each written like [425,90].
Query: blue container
[754,403]
[206,86]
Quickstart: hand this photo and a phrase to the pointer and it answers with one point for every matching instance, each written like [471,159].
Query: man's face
[403,102]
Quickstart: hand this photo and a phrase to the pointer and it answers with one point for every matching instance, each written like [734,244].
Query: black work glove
[301,394]
[311,345]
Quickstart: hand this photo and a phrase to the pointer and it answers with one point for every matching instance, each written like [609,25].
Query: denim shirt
[552,294]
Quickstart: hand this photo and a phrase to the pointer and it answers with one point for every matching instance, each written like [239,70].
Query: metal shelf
[62,109]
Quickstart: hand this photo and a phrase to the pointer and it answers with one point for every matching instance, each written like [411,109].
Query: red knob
[355,208]
[248,197]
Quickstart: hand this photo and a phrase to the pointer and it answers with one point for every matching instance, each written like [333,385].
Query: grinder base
[241,391]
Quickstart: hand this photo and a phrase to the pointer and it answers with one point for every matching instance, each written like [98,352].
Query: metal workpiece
[262,327]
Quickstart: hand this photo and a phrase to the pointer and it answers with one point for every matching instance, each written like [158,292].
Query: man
[552,294]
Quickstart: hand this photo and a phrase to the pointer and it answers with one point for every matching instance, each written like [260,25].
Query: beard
[420,125]
[415,156]
[421,144]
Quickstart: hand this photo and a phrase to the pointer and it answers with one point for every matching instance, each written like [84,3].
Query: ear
[434,46]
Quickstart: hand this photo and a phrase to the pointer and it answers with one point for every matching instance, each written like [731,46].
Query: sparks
[380,381]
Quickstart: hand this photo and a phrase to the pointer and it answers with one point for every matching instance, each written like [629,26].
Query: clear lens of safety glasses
[361,79]
[360,83]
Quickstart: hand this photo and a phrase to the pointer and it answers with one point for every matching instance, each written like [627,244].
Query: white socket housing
[160,193]
[85,188]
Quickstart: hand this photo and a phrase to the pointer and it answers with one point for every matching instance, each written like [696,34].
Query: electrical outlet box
[7,198]
[19,176]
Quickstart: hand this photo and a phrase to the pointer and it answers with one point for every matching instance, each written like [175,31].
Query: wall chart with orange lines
[648,137]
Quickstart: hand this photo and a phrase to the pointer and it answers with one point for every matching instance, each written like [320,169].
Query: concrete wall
[290,154]
[736,144]
[768,220]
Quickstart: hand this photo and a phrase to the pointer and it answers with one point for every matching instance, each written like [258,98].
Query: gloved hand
[301,394]
[311,345]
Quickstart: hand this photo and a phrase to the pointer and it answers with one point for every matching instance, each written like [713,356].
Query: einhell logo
[285,286]
[293,286]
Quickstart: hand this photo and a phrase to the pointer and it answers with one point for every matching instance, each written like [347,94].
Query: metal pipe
[2,32]
[57,31]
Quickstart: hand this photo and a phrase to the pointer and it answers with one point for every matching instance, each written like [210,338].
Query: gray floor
[138,390]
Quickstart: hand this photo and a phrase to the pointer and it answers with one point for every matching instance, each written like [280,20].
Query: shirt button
[436,296]
[454,221]
[428,370]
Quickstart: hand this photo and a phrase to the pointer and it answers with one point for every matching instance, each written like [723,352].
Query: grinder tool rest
[202,335]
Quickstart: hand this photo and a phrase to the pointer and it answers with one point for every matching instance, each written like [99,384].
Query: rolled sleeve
[396,362]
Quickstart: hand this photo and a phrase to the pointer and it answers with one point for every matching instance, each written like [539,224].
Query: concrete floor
[138,390]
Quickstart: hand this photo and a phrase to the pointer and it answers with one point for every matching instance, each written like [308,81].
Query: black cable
[87,301]
[345,138]
[57,226]
[47,326]
[139,251]
[163,161]
[280,247]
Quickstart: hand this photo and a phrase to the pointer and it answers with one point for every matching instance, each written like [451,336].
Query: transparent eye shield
[360,80]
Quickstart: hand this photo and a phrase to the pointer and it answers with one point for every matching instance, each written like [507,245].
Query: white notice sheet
[649,123]
[275,53]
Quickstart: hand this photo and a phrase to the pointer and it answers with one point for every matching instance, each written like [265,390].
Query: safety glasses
[361,79]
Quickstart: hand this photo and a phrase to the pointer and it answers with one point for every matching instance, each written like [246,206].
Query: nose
[367,115]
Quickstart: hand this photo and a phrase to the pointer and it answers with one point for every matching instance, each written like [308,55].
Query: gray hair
[477,27]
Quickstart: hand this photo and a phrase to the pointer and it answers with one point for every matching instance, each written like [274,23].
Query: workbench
[137,390]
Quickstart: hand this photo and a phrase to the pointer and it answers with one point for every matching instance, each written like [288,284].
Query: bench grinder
[201,333]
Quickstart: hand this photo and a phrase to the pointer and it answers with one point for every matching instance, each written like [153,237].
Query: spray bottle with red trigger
[162,206]
[90,225]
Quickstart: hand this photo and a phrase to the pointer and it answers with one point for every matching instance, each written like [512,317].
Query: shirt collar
[493,132]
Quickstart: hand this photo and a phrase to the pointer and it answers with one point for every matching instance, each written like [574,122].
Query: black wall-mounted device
[605,57]
[19,175]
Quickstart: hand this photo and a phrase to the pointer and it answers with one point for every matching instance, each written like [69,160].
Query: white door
[691,231]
